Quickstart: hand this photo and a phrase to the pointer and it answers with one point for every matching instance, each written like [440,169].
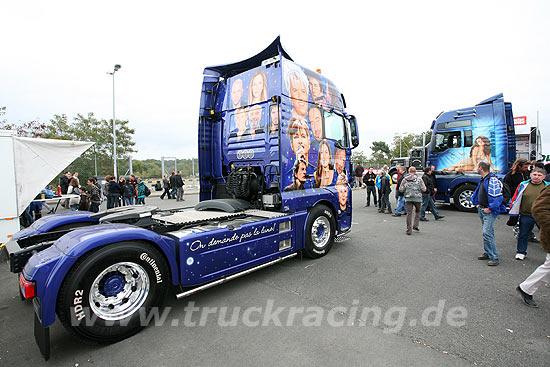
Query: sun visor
[39,161]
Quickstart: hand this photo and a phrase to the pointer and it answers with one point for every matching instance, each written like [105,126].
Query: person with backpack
[521,206]
[412,187]
[140,188]
[488,200]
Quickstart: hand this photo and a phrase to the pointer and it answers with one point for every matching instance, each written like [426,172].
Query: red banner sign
[522,120]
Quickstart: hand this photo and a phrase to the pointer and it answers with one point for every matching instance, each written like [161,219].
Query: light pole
[116,68]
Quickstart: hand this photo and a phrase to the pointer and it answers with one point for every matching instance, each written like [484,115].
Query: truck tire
[320,232]
[110,293]
[462,196]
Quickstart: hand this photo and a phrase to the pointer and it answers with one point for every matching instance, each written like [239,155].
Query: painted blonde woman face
[257,87]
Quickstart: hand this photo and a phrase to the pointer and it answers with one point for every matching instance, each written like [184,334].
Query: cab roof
[229,70]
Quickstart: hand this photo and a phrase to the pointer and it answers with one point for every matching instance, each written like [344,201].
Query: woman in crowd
[518,174]
[74,190]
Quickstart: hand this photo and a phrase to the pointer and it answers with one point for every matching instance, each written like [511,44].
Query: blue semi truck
[274,159]
[460,139]
[463,138]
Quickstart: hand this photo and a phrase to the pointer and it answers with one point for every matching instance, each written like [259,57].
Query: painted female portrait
[257,91]
[324,175]
[480,152]
[342,188]
[298,134]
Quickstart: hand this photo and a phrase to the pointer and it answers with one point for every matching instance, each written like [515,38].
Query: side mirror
[354,132]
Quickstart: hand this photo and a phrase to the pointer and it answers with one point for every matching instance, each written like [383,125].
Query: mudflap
[42,337]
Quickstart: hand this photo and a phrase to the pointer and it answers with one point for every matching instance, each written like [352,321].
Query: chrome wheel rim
[465,199]
[119,291]
[320,232]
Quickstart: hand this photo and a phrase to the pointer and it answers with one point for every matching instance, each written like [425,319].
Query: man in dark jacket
[179,186]
[427,197]
[64,182]
[358,175]
[385,190]
[541,213]
[369,179]
[172,182]
[114,193]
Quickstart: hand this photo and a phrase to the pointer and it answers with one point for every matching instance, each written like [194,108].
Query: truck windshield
[445,140]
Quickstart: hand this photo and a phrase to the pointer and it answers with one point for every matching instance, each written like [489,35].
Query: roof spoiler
[229,70]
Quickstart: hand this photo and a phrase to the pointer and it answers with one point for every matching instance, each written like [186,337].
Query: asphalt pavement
[428,302]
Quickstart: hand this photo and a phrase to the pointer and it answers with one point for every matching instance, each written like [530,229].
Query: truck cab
[274,159]
[464,137]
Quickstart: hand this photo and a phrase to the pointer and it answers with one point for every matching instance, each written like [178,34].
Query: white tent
[38,162]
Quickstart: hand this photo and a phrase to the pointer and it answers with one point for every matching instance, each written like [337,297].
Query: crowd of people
[523,194]
[116,193]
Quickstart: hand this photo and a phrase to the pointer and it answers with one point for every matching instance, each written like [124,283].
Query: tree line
[382,152]
[98,160]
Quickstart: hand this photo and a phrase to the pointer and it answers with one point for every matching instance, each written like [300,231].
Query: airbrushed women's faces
[257,86]
[326,157]
[342,195]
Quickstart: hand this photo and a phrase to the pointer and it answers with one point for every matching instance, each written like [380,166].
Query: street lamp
[116,68]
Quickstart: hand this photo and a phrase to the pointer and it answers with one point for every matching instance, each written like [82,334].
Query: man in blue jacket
[488,200]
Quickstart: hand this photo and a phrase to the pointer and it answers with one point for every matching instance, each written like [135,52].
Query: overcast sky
[398,63]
